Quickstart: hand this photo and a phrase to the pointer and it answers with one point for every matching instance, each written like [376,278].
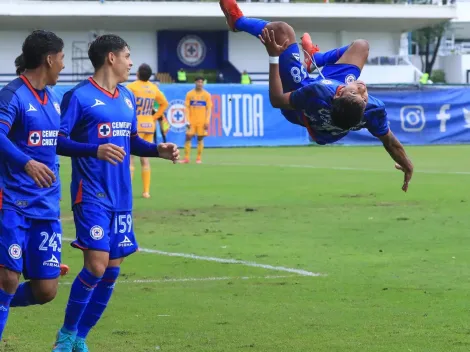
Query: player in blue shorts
[30,231]
[330,106]
[99,131]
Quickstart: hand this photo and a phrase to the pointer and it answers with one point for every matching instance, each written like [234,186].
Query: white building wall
[465,67]
[455,68]
[246,52]
[143,47]
[388,74]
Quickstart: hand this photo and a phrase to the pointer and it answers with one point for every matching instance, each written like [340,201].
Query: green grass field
[394,266]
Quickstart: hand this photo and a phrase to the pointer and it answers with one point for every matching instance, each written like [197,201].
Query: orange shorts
[197,129]
[148,137]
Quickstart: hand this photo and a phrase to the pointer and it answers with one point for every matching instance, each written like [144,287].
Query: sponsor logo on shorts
[21,203]
[350,79]
[15,251]
[53,262]
[97,232]
[326,81]
[126,242]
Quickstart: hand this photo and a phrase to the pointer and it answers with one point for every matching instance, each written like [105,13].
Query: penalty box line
[300,272]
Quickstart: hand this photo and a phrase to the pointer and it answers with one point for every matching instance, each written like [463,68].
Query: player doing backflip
[329,106]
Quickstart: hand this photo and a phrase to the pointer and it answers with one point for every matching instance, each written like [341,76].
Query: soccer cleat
[146,195]
[184,161]
[198,161]
[64,341]
[80,345]
[231,11]
[309,50]
[64,269]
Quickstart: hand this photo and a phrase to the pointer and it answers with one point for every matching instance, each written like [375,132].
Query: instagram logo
[412,118]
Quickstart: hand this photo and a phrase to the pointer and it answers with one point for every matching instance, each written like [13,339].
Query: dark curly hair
[35,49]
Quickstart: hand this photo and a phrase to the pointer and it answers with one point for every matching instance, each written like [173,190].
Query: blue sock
[330,57]
[254,26]
[98,302]
[23,296]
[80,293]
[5,299]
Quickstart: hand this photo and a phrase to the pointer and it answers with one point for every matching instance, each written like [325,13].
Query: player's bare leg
[44,291]
[145,164]
[200,148]
[132,167]
[356,54]
[33,292]
[187,149]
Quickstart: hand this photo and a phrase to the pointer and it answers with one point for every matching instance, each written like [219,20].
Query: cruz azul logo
[46,138]
[114,129]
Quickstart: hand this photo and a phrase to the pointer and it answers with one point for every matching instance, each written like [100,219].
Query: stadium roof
[74,15]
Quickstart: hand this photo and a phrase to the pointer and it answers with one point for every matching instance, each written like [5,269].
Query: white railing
[394,60]
[455,49]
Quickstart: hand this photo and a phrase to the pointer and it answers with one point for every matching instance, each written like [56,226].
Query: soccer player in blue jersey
[99,131]
[30,231]
[329,106]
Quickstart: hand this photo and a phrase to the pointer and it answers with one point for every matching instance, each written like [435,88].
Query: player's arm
[187,105]
[9,111]
[71,116]
[142,148]
[378,126]
[393,146]
[162,105]
[208,111]
[277,97]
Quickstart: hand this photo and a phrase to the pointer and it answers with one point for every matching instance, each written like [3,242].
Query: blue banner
[243,116]
[191,50]
[427,116]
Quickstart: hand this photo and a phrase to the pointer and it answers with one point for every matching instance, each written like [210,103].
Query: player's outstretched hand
[111,153]
[169,151]
[40,173]
[268,39]
[408,174]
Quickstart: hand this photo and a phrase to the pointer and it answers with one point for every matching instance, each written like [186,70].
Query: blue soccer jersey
[92,115]
[314,101]
[31,120]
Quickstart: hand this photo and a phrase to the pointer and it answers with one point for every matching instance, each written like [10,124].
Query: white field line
[195,279]
[226,261]
[231,261]
[339,168]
